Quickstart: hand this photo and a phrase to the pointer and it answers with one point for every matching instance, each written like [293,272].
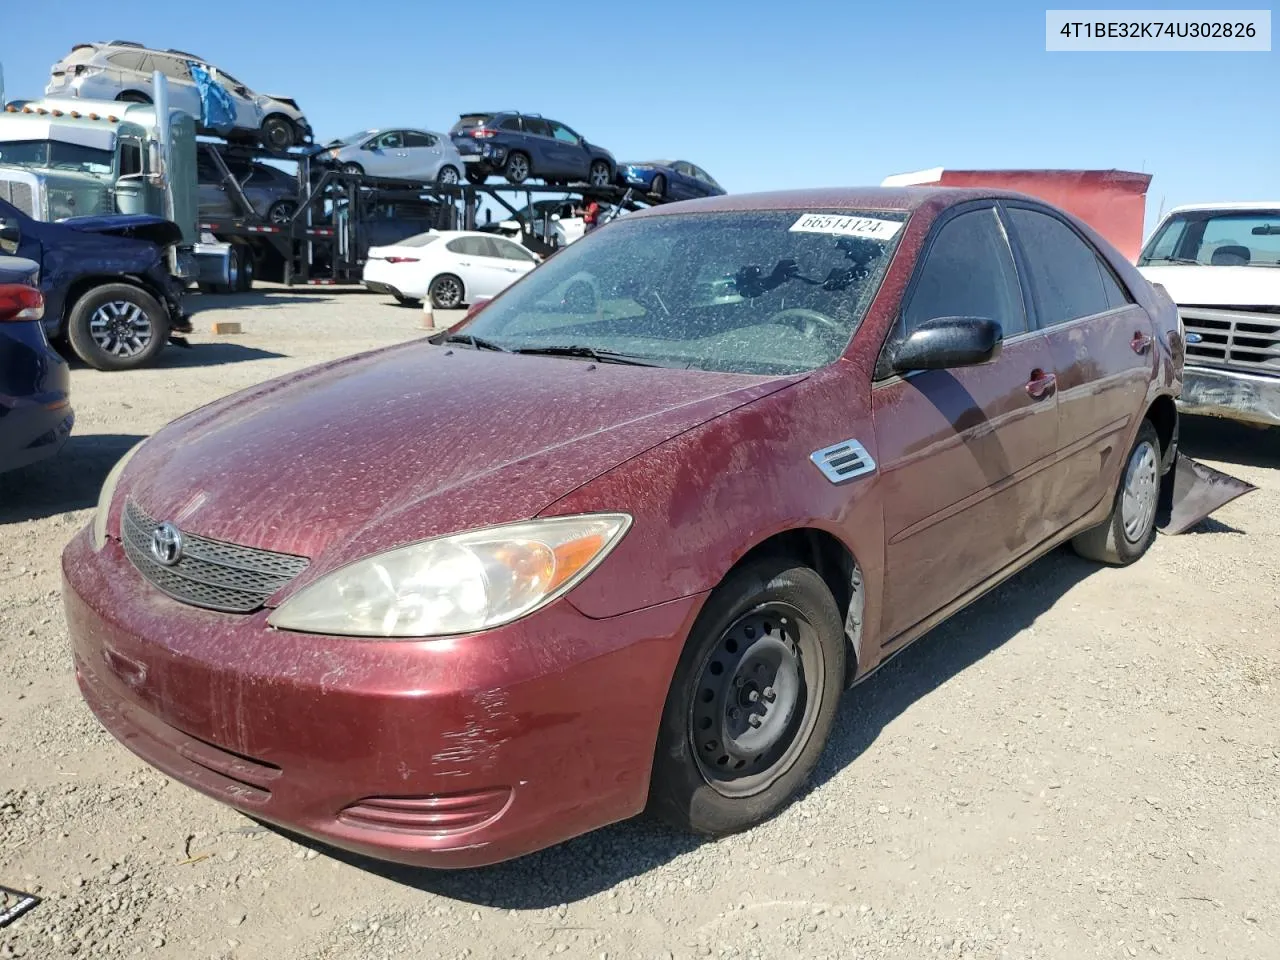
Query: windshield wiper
[590,353]
[479,343]
[1184,260]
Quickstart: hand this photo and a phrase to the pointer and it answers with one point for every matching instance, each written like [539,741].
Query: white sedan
[451,267]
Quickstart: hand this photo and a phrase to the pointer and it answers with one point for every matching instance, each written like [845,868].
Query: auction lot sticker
[14,903]
[867,227]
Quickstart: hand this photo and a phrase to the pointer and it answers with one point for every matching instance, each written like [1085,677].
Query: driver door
[965,452]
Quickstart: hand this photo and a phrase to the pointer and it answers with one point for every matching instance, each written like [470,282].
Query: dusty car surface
[645,538]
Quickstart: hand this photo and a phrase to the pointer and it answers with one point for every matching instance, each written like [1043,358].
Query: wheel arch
[833,560]
[79,287]
[1163,414]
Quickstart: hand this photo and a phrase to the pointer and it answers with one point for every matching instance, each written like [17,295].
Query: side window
[414,139]
[459,245]
[171,67]
[968,272]
[131,160]
[1065,273]
[391,141]
[563,133]
[511,125]
[1117,296]
[539,128]
[127,60]
[511,251]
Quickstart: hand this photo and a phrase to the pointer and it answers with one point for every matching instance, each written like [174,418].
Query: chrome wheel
[121,328]
[757,699]
[599,174]
[1140,493]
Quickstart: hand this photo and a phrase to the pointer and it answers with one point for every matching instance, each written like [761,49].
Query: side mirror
[242,90]
[946,342]
[10,235]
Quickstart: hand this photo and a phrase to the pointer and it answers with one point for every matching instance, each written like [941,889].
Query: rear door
[1102,346]
[422,155]
[964,452]
[479,266]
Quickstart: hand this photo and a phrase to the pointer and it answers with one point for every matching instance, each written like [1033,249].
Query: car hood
[1206,286]
[139,226]
[411,442]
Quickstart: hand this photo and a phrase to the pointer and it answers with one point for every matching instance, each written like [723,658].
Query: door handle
[1041,384]
[1140,343]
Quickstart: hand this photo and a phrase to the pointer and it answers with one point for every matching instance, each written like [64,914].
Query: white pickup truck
[1220,262]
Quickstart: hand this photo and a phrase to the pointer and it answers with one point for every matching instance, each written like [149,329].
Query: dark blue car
[35,412]
[669,179]
[524,145]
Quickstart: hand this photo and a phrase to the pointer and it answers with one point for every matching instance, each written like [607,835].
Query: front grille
[210,573]
[20,195]
[1235,339]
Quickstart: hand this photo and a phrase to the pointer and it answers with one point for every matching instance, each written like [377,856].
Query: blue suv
[524,145]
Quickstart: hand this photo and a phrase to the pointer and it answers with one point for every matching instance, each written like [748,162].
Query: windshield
[762,292]
[354,137]
[55,155]
[1218,238]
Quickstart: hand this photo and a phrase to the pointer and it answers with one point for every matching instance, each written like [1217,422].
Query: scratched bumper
[1231,394]
[556,715]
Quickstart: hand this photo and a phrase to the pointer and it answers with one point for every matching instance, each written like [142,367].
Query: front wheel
[278,133]
[1127,533]
[600,175]
[117,327]
[752,701]
[353,168]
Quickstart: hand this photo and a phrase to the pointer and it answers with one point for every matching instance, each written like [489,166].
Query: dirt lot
[1086,763]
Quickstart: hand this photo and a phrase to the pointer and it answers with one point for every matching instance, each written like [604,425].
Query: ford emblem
[166,544]
[1194,338]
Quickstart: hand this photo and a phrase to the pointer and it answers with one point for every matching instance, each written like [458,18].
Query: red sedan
[623,538]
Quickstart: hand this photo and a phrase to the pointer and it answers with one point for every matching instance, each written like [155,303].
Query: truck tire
[244,280]
[117,326]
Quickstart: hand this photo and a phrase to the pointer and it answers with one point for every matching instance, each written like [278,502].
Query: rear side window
[511,124]
[511,251]
[968,272]
[414,139]
[1066,275]
[127,60]
[469,246]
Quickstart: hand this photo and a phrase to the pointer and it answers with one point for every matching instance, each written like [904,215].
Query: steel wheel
[446,293]
[599,174]
[757,699]
[1141,492]
[122,329]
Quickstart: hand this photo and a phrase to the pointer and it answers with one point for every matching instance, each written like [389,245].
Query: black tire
[476,176]
[517,168]
[406,301]
[278,133]
[119,305]
[739,629]
[1125,535]
[132,96]
[354,169]
[244,281]
[281,212]
[600,174]
[659,186]
[446,292]
[447,175]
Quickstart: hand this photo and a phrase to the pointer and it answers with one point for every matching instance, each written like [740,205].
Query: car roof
[889,199]
[1231,205]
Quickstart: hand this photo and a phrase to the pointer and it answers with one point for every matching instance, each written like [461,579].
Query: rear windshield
[762,292]
[471,120]
[80,55]
[421,240]
[1217,238]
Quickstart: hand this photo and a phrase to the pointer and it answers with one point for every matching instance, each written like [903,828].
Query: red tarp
[1113,202]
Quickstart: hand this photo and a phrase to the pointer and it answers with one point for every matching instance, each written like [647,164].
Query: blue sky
[762,94]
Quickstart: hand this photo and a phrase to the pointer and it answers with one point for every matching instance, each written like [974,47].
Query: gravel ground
[1085,763]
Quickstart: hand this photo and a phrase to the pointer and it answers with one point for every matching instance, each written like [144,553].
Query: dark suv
[524,145]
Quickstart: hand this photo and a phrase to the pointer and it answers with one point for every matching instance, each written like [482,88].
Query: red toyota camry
[622,538]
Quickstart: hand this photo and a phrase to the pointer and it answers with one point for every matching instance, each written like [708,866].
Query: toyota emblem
[166,544]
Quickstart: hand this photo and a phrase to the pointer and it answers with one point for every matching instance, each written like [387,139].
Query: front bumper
[454,752]
[1230,394]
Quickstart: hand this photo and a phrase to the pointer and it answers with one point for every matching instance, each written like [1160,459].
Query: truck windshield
[1217,238]
[55,155]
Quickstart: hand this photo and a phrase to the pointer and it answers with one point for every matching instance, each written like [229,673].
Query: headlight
[457,584]
[98,533]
